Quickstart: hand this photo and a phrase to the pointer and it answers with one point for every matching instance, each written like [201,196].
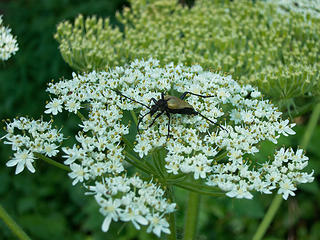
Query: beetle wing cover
[176,103]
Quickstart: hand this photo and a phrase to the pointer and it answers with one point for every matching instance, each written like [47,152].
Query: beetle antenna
[118,92]
[158,115]
[212,121]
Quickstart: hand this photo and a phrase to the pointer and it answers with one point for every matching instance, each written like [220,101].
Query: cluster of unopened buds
[213,135]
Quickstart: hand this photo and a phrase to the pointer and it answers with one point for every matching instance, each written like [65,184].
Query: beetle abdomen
[187,111]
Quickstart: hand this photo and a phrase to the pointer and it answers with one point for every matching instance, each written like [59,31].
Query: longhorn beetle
[169,105]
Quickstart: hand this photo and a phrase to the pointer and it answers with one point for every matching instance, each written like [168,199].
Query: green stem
[133,157]
[220,156]
[172,220]
[14,227]
[311,126]
[191,221]
[202,186]
[134,116]
[83,118]
[130,158]
[276,202]
[52,162]
[156,160]
[198,190]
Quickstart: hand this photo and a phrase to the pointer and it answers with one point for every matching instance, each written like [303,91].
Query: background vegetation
[48,209]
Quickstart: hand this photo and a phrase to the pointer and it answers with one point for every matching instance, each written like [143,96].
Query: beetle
[169,105]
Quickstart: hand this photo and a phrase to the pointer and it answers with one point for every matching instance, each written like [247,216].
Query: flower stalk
[14,227]
[172,218]
[52,162]
[267,219]
[192,213]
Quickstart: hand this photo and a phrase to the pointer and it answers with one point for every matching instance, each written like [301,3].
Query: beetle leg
[168,114]
[211,121]
[159,114]
[140,119]
[185,93]
[154,100]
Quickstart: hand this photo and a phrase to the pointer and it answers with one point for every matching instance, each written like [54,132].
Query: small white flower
[72,106]
[286,188]
[158,224]
[73,154]
[78,173]
[255,94]
[240,191]
[236,116]
[110,209]
[133,215]
[246,116]
[285,129]
[22,159]
[50,149]
[54,107]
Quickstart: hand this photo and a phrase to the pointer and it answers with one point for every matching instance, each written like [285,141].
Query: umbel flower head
[251,40]
[218,155]
[29,137]
[8,43]
[196,153]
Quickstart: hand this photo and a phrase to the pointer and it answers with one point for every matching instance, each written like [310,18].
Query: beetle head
[154,109]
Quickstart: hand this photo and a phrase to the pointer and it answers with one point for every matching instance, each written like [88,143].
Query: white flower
[78,173]
[246,116]
[158,224]
[240,191]
[54,107]
[72,106]
[99,189]
[236,116]
[73,154]
[50,149]
[285,129]
[133,215]
[22,159]
[137,200]
[286,188]
[255,94]
[110,209]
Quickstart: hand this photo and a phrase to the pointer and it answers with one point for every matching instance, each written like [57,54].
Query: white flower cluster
[28,137]
[100,154]
[209,152]
[282,173]
[141,202]
[8,43]
[304,7]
